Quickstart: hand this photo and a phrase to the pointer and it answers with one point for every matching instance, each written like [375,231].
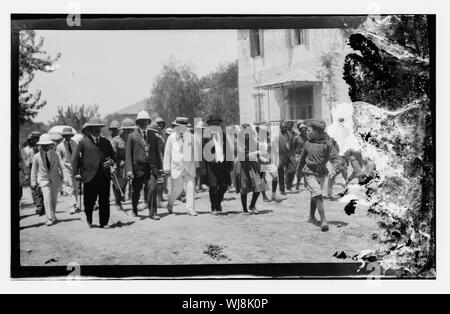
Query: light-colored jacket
[179,155]
[63,151]
[41,175]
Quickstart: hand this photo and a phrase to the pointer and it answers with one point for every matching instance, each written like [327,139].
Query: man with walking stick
[143,164]
[93,166]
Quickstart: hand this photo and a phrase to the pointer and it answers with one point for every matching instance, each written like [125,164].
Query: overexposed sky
[117,68]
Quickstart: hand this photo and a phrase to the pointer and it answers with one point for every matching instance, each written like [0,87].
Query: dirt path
[278,234]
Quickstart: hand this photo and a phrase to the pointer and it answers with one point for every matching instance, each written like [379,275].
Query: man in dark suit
[216,167]
[94,156]
[143,164]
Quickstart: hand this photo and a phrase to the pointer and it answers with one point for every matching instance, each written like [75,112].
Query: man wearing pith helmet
[94,156]
[143,164]
[119,144]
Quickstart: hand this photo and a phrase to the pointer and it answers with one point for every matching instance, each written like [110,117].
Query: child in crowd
[318,150]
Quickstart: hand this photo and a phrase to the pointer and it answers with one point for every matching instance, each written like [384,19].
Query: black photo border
[339,271]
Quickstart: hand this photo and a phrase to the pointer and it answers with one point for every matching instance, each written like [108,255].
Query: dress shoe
[154,217]
[170,208]
[283,193]
[49,223]
[214,212]
[134,214]
[193,213]
[106,227]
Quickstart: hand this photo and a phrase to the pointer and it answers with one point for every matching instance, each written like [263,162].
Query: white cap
[45,139]
[143,115]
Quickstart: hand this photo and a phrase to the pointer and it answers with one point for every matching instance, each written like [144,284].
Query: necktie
[144,135]
[69,147]
[48,161]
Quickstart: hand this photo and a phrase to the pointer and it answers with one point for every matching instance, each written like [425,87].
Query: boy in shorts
[318,150]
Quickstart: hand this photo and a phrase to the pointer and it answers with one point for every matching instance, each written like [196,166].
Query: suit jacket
[92,158]
[217,173]
[179,155]
[63,152]
[142,157]
[42,175]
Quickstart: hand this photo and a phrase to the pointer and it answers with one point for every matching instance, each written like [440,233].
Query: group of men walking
[142,155]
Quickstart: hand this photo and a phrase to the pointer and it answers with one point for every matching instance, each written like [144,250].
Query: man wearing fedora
[94,156]
[65,151]
[119,144]
[143,164]
[218,162]
[180,164]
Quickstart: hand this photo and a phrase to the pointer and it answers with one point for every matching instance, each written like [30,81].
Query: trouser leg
[152,195]
[213,197]
[189,188]
[90,197]
[137,187]
[103,202]
[176,187]
[281,178]
[221,194]
[54,202]
[39,199]
[47,199]
[117,196]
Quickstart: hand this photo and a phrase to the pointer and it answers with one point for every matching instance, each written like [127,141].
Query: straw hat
[95,121]
[67,131]
[181,121]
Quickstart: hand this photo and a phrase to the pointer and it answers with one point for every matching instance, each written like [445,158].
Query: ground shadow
[229,198]
[33,226]
[29,215]
[66,220]
[43,223]
[263,212]
[120,224]
[332,223]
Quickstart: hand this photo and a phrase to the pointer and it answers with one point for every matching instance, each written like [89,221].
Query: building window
[300,37]
[301,102]
[259,114]
[256,43]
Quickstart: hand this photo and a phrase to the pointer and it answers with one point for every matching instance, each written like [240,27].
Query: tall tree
[75,116]
[176,92]
[32,59]
[220,93]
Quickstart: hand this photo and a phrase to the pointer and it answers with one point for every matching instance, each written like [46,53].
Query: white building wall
[279,56]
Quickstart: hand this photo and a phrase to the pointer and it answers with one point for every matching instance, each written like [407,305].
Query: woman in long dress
[248,178]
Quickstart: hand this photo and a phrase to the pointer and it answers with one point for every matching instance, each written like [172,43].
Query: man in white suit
[180,164]
[48,174]
[65,150]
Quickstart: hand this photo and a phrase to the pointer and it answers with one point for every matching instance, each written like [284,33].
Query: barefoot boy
[318,150]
